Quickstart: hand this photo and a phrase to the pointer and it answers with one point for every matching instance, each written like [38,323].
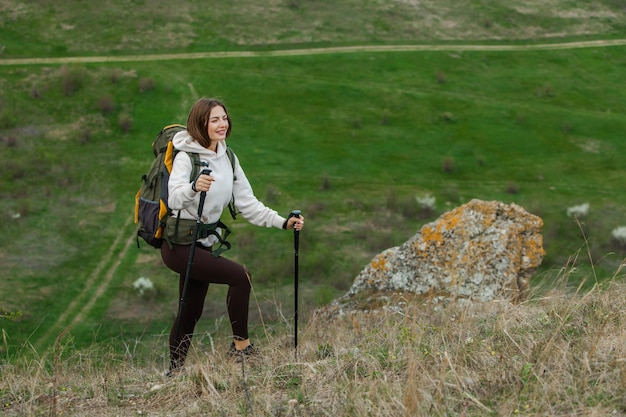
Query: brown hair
[198,120]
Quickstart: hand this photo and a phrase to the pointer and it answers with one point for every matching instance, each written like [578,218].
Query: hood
[184,142]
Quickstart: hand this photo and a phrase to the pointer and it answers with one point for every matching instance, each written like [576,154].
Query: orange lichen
[432,235]
[451,220]
[533,248]
[379,263]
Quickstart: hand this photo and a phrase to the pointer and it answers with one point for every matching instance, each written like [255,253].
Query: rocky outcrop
[480,251]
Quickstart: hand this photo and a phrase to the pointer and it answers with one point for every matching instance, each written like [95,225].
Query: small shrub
[512,188]
[146,84]
[106,104]
[567,128]
[544,91]
[125,122]
[448,164]
[325,183]
[314,208]
[408,208]
[35,93]
[72,80]
[85,135]
[404,206]
[115,75]
[447,117]
[9,141]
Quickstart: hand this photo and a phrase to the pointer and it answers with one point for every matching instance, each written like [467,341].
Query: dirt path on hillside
[100,278]
[314,51]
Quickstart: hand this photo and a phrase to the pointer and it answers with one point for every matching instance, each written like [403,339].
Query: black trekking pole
[192,251]
[296,244]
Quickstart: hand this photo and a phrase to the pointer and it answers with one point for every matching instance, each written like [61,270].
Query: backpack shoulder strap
[195,165]
[231,156]
[231,205]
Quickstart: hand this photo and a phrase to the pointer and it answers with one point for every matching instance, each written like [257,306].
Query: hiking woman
[208,126]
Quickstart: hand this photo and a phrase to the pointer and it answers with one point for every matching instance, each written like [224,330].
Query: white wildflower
[142,284]
[619,234]
[426,201]
[578,211]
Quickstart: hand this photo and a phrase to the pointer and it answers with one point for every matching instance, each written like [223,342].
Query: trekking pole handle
[205,171]
[296,233]
[295,213]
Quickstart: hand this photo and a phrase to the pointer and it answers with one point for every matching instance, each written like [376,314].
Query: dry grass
[559,354]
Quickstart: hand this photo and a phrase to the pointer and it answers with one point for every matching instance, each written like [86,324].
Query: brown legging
[205,269]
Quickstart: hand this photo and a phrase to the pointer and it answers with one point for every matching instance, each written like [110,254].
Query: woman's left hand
[296,223]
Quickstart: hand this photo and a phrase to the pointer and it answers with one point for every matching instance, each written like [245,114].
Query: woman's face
[218,124]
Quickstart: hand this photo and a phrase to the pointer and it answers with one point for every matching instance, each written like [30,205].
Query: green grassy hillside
[351,138]
[73,28]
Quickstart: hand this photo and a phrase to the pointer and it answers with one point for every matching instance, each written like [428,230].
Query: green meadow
[351,139]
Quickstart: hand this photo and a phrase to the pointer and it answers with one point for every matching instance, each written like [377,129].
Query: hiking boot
[173,372]
[240,355]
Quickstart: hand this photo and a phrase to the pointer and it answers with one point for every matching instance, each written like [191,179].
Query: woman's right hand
[202,183]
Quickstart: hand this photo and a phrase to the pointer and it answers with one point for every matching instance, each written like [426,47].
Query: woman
[208,126]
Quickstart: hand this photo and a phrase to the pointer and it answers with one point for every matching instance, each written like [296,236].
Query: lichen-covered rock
[480,251]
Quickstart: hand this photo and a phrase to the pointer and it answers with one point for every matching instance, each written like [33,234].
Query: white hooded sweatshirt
[184,199]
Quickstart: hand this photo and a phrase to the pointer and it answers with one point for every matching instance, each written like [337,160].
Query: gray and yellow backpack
[151,209]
